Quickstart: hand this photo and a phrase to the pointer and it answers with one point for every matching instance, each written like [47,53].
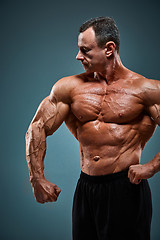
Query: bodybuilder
[112,112]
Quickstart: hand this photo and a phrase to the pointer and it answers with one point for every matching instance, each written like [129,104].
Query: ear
[110,48]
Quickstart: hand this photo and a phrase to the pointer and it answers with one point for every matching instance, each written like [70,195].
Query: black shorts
[110,208]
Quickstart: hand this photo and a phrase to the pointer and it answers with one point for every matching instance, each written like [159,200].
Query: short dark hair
[105,30]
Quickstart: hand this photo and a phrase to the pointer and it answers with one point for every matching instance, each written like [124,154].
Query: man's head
[105,30]
[98,42]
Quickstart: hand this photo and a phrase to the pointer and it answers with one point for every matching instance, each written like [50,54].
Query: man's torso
[110,123]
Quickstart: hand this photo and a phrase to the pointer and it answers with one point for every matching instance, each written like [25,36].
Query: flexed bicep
[154,112]
[153,101]
[50,114]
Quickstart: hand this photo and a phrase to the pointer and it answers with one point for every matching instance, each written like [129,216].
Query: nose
[79,56]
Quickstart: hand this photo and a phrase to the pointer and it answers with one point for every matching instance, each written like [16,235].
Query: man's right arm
[49,116]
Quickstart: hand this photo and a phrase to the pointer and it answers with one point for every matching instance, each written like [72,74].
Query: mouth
[85,65]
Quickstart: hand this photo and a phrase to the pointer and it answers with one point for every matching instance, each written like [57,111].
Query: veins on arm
[48,118]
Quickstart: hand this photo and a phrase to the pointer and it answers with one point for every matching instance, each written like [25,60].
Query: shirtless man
[112,112]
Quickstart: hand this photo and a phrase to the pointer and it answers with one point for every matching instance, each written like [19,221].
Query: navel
[120,115]
[96,158]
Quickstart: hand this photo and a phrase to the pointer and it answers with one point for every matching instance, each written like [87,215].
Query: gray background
[38,47]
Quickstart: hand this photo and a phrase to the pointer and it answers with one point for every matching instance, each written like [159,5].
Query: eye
[84,50]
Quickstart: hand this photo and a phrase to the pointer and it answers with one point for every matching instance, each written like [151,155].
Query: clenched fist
[138,172]
[45,191]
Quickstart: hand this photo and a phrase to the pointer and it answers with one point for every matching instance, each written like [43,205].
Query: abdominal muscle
[108,147]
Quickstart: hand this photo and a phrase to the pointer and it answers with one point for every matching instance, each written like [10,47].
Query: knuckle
[39,201]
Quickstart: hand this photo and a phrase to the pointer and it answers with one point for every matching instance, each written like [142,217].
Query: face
[92,57]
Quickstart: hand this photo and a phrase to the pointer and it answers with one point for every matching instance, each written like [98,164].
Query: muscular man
[112,112]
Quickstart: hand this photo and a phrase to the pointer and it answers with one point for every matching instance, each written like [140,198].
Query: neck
[113,71]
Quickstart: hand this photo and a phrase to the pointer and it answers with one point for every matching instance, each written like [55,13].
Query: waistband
[103,178]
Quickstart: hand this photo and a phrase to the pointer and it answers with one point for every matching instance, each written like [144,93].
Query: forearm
[43,190]
[155,163]
[35,151]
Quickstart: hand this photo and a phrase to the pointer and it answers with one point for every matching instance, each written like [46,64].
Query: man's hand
[138,172]
[45,191]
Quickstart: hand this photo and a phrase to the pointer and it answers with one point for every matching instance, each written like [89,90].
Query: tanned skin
[110,110]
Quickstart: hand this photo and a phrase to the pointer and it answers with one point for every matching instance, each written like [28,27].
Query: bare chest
[107,104]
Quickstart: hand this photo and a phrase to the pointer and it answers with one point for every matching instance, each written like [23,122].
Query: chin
[88,70]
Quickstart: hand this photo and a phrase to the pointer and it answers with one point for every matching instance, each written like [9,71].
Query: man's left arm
[152,103]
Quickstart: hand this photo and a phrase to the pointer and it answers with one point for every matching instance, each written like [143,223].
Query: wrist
[34,179]
[36,175]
